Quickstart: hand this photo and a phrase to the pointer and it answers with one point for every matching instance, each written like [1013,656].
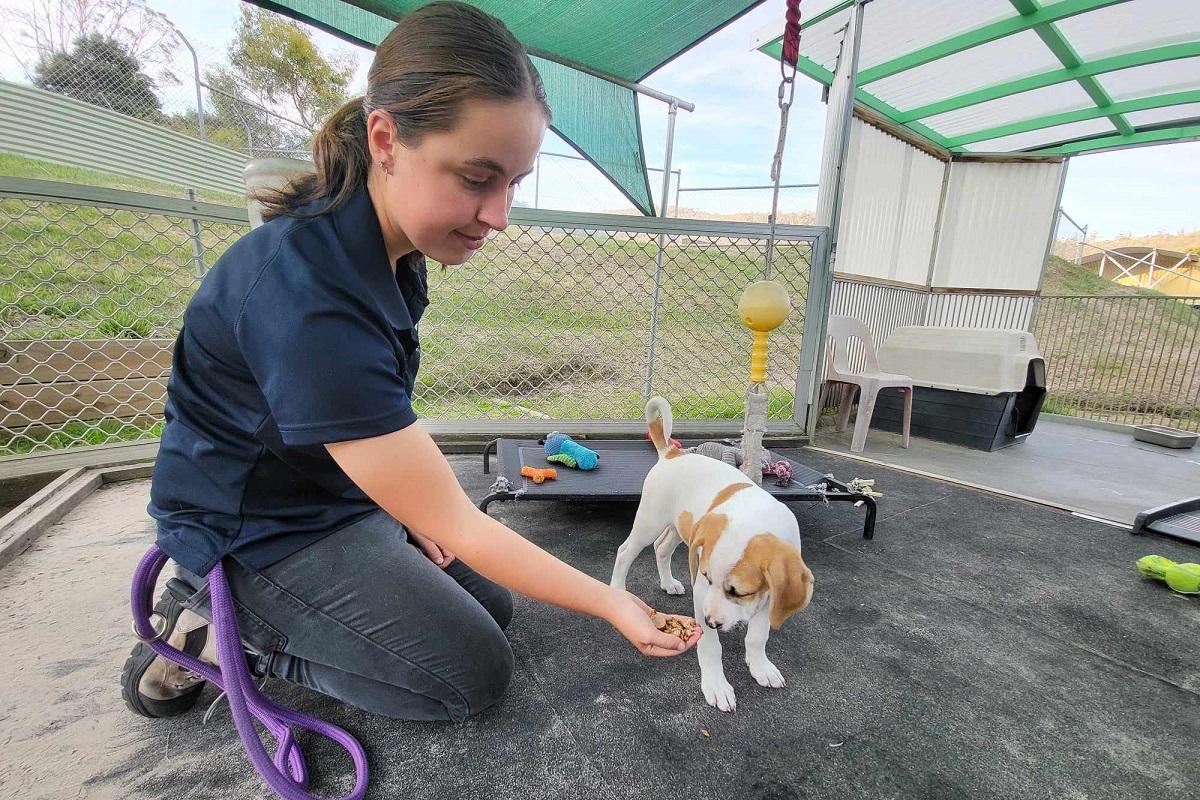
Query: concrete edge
[1079,512]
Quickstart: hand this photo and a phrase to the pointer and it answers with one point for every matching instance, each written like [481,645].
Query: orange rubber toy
[539,475]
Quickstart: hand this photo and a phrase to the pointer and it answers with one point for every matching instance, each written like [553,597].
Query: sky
[730,138]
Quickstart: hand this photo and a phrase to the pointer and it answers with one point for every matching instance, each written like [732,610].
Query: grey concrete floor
[978,647]
[1093,470]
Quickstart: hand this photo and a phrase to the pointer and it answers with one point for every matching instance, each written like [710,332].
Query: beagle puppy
[743,553]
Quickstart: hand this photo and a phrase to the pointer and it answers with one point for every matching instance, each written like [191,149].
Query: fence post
[197,242]
[537,179]
[662,245]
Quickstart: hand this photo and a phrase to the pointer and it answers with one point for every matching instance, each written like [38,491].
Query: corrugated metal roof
[1019,76]
[1027,105]
[1044,137]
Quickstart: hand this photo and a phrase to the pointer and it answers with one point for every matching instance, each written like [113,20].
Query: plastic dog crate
[976,388]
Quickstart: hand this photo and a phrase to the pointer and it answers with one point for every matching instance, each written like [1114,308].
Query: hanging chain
[787,91]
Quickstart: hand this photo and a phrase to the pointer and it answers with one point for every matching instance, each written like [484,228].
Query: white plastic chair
[866,383]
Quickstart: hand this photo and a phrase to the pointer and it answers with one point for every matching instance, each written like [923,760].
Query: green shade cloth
[628,39]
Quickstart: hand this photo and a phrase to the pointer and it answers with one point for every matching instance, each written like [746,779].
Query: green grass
[77,434]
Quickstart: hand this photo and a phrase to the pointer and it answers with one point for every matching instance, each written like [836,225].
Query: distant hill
[1065,278]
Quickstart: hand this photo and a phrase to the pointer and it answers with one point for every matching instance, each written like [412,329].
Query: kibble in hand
[683,628]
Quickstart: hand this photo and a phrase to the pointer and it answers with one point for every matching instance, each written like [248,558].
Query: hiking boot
[151,685]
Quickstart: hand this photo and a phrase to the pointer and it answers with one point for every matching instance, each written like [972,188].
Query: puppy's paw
[718,693]
[674,587]
[766,673]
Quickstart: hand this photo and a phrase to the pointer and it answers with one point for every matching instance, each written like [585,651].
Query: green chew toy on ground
[1182,578]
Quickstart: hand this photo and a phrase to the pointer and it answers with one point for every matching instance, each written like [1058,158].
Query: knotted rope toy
[781,469]
[562,449]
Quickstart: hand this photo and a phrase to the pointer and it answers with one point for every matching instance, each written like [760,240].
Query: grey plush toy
[721,452]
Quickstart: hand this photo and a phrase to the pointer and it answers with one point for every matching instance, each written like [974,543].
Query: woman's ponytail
[342,161]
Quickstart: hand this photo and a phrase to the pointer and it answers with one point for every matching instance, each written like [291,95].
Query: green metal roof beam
[1118,142]
[1138,59]
[1052,38]
[979,36]
[1125,107]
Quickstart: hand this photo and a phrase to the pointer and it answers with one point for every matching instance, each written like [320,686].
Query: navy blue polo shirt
[302,334]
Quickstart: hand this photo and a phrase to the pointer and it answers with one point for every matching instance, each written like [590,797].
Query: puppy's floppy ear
[701,539]
[790,582]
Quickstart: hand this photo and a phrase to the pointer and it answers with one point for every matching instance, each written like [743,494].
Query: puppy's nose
[712,623]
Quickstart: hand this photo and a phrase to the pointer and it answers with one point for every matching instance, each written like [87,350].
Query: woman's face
[444,196]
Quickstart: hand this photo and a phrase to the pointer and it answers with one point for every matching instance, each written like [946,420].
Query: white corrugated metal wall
[907,255]
[51,127]
[889,209]
[996,225]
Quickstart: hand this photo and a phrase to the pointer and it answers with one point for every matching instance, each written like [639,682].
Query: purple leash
[244,697]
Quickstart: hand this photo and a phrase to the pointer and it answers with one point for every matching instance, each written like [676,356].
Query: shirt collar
[357,227]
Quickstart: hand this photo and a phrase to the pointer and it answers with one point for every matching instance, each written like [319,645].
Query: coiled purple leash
[244,698]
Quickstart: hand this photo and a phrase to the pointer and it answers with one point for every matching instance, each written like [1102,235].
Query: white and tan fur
[743,553]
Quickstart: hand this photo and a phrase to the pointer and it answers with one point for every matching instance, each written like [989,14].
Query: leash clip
[159,630]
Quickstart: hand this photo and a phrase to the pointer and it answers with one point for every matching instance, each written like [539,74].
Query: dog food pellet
[684,629]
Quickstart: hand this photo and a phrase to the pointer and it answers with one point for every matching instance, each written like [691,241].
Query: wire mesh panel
[1125,359]
[562,316]
[91,298]
[560,323]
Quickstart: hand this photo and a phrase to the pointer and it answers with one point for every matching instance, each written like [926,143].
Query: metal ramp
[1180,520]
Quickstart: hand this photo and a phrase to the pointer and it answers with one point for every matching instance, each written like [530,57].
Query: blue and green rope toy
[562,449]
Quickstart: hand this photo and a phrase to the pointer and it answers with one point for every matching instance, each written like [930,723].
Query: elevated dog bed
[624,464]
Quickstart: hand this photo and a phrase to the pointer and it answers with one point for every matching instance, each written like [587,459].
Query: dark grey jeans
[364,616]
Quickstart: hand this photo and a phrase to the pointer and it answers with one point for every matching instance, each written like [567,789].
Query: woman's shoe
[154,687]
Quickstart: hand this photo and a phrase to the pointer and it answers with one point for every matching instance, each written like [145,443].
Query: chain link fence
[556,318]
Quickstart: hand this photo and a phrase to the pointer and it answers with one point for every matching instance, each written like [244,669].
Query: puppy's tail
[659,420]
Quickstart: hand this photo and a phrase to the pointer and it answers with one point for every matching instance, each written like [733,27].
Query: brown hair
[437,56]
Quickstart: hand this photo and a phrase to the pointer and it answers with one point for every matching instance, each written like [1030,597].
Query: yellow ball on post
[763,308]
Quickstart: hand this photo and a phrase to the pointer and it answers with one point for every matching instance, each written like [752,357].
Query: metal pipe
[670,100]
[740,188]
[839,170]
[196,72]
[197,241]
[662,243]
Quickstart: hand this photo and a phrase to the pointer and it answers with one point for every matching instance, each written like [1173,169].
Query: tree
[277,65]
[100,72]
[37,29]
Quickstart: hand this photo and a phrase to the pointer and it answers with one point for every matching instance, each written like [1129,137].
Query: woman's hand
[436,553]
[631,617]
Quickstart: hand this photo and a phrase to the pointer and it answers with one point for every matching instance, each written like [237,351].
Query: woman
[290,451]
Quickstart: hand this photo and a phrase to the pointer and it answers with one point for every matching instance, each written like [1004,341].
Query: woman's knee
[486,675]
[499,604]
